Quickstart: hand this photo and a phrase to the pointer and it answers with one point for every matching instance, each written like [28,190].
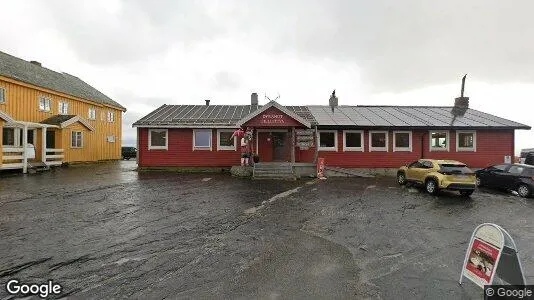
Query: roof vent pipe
[34,62]
[333,100]
[207,102]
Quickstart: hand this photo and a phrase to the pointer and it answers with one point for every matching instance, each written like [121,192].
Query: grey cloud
[141,29]
[224,80]
[407,44]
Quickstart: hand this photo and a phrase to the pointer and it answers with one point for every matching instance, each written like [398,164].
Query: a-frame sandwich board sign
[492,254]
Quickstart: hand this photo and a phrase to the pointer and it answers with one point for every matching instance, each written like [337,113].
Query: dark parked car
[527,156]
[129,152]
[515,177]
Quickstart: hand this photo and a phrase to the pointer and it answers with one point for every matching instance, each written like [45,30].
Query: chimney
[461,104]
[254,99]
[333,100]
[35,63]
[207,102]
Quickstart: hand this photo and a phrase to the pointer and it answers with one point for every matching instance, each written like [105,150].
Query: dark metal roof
[57,119]
[213,115]
[343,116]
[408,117]
[27,72]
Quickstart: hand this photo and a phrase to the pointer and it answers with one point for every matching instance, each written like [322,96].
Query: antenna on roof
[277,97]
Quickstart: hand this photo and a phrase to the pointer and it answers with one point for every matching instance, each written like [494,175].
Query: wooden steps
[282,171]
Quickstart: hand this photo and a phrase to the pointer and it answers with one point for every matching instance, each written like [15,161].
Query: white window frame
[378,149]
[439,149]
[63,108]
[202,148]
[225,148]
[466,149]
[362,138]
[3,95]
[47,104]
[91,113]
[151,147]
[111,117]
[402,149]
[335,148]
[16,136]
[77,146]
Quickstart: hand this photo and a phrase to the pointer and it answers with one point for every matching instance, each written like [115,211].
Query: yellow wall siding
[22,104]
[1,132]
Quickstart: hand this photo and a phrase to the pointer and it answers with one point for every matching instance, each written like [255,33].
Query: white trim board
[465,149]
[378,149]
[402,149]
[353,149]
[150,147]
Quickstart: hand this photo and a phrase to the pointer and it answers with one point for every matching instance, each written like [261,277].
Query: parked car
[436,175]
[515,177]
[129,152]
[527,156]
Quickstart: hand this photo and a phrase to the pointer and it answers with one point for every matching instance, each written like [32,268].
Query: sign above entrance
[272,117]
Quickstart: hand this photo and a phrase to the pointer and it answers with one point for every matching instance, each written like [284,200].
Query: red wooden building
[346,136]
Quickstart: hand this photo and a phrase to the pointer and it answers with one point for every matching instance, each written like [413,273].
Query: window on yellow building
[92,113]
[76,139]
[111,116]
[45,103]
[63,108]
[2,95]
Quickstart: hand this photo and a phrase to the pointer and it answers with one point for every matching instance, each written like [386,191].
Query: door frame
[266,130]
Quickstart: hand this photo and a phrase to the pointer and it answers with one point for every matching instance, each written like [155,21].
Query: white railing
[12,158]
[52,158]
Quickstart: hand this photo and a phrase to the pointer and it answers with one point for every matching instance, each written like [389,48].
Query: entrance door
[50,139]
[279,142]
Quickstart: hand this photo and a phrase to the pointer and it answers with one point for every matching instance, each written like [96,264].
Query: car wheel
[523,191]
[478,181]
[431,187]
[401,178]
[466,193]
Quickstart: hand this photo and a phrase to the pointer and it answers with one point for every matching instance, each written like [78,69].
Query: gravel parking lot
[106,231]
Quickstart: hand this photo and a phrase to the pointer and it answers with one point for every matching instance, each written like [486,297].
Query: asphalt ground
[107,231]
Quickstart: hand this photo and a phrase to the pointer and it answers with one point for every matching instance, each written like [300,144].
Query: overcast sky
[147,53]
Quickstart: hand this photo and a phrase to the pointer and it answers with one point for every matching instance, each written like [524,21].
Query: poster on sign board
[481,263]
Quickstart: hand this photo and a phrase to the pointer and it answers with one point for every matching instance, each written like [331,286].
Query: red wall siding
[180,152]
[492,146]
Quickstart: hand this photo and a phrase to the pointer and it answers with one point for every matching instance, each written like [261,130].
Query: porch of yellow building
[27,145]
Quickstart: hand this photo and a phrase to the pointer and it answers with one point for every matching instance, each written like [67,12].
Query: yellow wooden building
[56,117]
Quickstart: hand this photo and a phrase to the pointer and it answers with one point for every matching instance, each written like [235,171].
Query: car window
[516,170]
[528,172]
[454,169]
[427,164]
[498,168]
[415,164]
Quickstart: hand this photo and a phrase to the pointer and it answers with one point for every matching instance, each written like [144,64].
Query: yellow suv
[436,175]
